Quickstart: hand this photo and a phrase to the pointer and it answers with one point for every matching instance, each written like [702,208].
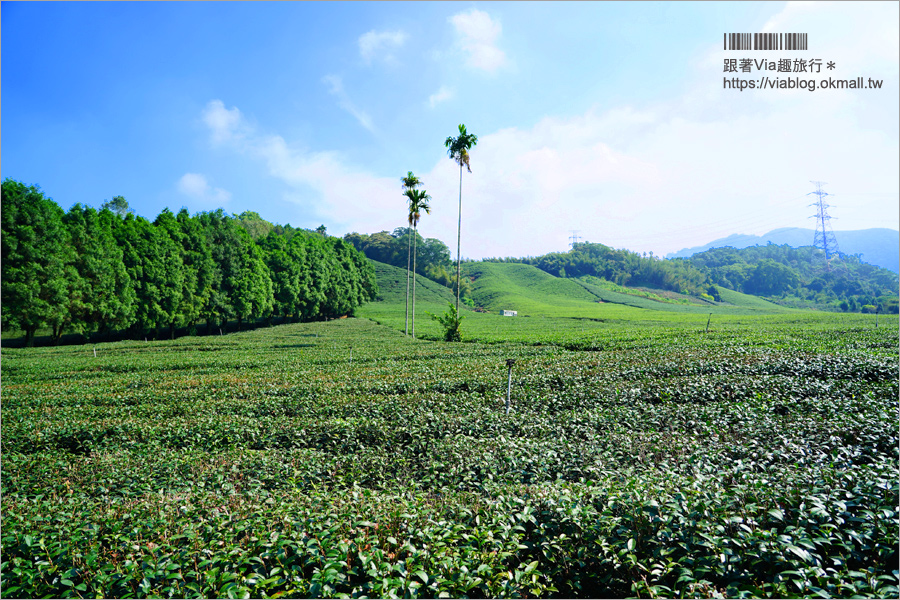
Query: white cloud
[336,88]
[380,45]
[344,197]
[652,181]
[224,124]
[647,180]
[702,165]
[477,35]
[442,95]
[195,187]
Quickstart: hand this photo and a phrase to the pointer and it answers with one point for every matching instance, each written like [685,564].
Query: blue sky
[607,118]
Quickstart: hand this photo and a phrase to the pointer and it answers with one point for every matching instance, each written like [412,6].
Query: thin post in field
[509,363]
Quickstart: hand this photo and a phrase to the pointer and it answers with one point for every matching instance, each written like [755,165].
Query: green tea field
[343,459]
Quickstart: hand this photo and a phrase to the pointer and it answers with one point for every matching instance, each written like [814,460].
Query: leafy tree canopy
[118,205]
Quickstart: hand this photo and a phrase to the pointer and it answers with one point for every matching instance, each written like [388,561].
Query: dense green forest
[801,277]
[95,272]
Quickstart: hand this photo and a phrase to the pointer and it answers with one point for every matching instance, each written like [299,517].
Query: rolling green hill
[732,302]
[595,287]
[392,287]
[389,307]
[747,301]
[552,303]
[533,292]
[569,312]
[528,290]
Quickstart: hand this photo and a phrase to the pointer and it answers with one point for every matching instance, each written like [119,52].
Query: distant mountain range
[878,246]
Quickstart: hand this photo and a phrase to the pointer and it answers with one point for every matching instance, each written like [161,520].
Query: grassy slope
[748,301]
[389,307]
[640,302]
[559,304]
[533,292]
[392,287]
[530,291]
[733,303]
[562,311]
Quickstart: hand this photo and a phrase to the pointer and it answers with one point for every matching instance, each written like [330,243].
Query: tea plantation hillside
[392,287]
[528,290]
[641,458]
[432,299]
[534,292]
[389,306]
[566,311]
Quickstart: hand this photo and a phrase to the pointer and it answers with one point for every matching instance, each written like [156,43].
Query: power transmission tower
[824,237]
[574,237]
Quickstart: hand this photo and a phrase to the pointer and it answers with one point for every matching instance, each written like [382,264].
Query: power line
[574,237]
[824,236]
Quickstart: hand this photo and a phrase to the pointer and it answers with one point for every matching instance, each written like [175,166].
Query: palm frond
[410,181]
[418,202]
[458,147]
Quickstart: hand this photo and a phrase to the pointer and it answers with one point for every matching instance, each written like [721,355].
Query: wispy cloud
[373,200]
[336,89]
[197,188]
[443,94]
[224,124]
[477,35]
[379,45]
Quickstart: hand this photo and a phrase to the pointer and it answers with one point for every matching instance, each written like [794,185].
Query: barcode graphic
[765,41]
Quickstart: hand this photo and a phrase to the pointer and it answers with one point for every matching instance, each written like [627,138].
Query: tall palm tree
[418,203]
[458,149]
[409,182]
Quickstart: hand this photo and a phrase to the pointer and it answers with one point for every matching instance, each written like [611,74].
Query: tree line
[96,272]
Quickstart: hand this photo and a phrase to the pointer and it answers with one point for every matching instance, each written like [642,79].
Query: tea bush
[647,461]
